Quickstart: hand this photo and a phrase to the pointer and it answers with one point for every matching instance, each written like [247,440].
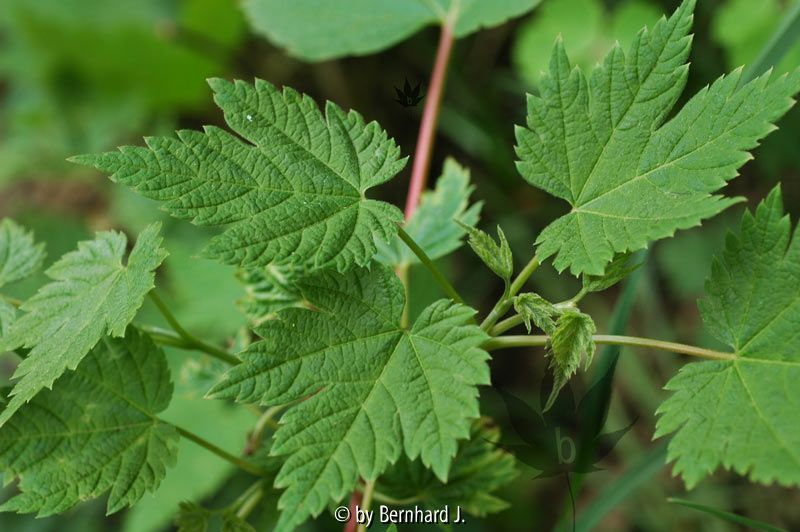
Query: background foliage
[81,76]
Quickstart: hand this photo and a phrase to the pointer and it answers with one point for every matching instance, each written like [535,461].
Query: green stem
[366,501]
[380,497]
[506,324]
[504,342]
[178,332]
[267,419]
[225,455]
[424,259]
[506,301]
[251,498]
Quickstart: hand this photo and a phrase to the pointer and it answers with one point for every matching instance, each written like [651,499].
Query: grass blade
[728,516]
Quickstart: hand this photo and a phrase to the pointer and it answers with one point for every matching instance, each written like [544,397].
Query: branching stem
[504,342]
[505,302]
[180,337]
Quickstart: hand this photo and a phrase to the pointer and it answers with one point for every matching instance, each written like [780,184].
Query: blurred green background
[81,76]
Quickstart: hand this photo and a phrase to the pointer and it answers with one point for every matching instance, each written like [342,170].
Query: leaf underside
[92,294]
[745,414]
[290,190]
[372,388]
[313,29]
[601,144]
[94,432]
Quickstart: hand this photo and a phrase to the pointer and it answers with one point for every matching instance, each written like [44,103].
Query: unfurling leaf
[744,413]
[373,389]
[479,469]
[601,144]
[617,270]
[19,255]
[536,310]
[294,193]
[95,431]
[496,256]
[571,341]
[433,226]
[92,294]
[267,290]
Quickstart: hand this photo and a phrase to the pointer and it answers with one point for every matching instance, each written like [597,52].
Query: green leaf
[19,255]
[268,290]
[570,342]
[92,294]
[433,225]
[479,469]
[313,29]
[295,193]
[7,316]
[617,270]
[536,310]
[629,177]
[375,388]
[744,414]
[95,431]
[497,257]
[192,518]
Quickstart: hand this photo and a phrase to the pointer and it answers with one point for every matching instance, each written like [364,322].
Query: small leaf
[92,294]
[433,226]
[617,270]
[268,290]
[192,518]
[95,431]
[372,388]
[294,193]
[571,341]
[744,413]
[19,255]
[479,469]
[535,309]
[497,257]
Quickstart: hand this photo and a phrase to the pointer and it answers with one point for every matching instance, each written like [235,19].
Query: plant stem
[424,259]
[190,341]
[366,502]
[505,302]
[506,324]
[266,420]
[380,497]
[251,497]
[427,129]
[225,455]
[504,342]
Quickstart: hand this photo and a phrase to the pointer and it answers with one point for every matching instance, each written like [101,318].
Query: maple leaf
[294,193]
[376,388]
[92,294]
[95,431]
[744,413]
[601,144]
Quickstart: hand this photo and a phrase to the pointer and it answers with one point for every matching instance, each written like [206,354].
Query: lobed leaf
[744,413]
[92,294]
[536,310]
[629,177]
[570,342]
[479,469]
[295,192]
[95,431]
[372,388]
[497,256]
